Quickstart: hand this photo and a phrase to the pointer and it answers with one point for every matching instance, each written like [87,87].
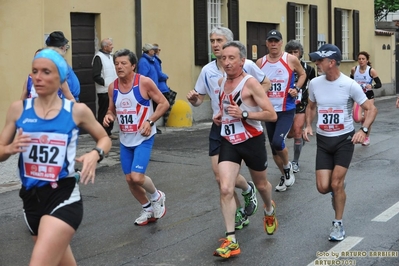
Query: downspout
[329,20]
[137,16]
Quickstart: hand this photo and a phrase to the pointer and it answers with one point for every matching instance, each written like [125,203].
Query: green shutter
[338,27]
[356,34]
[312,28]
[290,21]
[234,24]
[201,38]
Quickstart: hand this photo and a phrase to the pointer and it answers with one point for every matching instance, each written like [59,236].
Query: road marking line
[345,245]
[388,214]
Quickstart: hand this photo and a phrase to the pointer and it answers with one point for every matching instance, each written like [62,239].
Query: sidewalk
[9,179]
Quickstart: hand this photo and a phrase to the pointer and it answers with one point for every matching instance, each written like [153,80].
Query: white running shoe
[295,167]
[337,232]
[159,206]
[289,176]
[145,218]
[281,186]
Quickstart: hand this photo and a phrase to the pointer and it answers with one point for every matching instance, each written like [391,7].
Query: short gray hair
[105,42]
[294,45]
[239,45]
[227,33]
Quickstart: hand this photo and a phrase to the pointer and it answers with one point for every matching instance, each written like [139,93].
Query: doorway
[256,39]
[83,49]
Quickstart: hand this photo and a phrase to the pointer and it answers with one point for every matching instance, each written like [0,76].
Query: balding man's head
[107,45]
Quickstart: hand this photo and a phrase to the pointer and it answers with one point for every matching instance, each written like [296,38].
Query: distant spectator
[104,74]
[57,39]
[169,94]
[147,67]
[28,89]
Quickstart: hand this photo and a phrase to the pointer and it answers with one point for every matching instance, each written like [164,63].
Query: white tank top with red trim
[282,79]
[132,110]
[237,130]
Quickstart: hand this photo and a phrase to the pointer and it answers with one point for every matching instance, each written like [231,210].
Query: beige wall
[384,63]
[166,22]
[277,15]
[23,25]
[162,23]
[20,36]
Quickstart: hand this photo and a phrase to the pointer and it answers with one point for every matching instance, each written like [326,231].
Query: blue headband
[57,59]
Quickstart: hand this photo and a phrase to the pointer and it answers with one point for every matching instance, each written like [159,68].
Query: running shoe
[241,220]
[337,232]
[228,248]
[270,222]
[281,186]
[295,167]
[145,218]
[289,176]
[366,141]
[251,202]
[159,205]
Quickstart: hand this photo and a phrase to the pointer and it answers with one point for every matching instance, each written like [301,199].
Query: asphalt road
[193,224]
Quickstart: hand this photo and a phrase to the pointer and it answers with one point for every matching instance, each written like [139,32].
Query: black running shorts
[370,94]
[332,151]
[214,140]
[63,202]
[251,151]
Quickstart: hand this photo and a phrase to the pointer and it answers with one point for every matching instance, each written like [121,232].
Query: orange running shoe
[270,222]
[228,248]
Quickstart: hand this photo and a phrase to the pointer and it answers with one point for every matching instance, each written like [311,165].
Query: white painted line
[335,252]
[388,214]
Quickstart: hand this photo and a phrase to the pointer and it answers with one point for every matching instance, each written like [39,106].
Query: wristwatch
[100,153]
[365,129]
[151,122]
[244,115]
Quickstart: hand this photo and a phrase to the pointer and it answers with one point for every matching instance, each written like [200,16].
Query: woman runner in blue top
[44,131]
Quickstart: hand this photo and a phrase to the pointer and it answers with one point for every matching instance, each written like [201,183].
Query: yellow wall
[115,20]
[169,23]
[274,11]
[20,36]
[23,25]
[162,23]
[384,63]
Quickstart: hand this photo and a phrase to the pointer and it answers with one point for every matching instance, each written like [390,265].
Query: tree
[383,7]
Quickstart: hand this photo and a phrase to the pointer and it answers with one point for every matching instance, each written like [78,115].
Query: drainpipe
[138,30]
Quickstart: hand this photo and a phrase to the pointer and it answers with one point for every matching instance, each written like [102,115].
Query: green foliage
[383,7]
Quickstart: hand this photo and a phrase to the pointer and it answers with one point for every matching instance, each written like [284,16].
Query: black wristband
[151,122]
